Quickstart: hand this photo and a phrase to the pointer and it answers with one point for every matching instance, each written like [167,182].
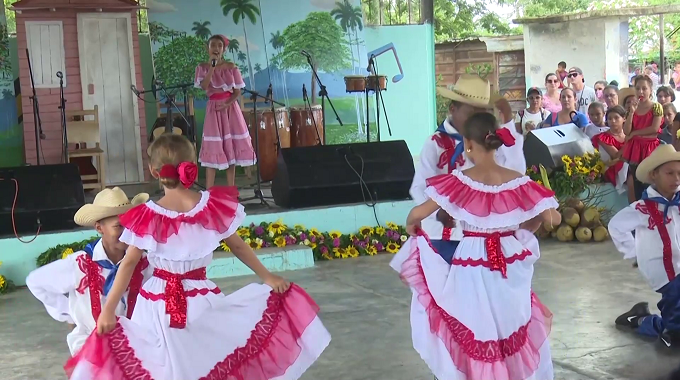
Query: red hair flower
[186,172]
[506,136]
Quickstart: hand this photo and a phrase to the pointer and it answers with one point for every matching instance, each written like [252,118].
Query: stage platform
[18,259]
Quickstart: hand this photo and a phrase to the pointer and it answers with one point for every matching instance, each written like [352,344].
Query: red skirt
[638,148]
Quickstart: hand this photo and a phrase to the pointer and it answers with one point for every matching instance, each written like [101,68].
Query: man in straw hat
[74,288]
[444,152]
[649,230]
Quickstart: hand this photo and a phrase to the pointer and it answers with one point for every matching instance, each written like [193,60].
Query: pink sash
[220,96]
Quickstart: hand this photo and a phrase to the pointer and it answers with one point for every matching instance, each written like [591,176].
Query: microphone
[60,75]
[370,63]
[134,90]
[304,91]
[213,63]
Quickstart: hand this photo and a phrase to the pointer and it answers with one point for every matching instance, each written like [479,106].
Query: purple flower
[324,249]
[534,168]
[336,242]
[362,244]
[394,236]
[355,241]
[312,239]
[259,230]
[290,240]
[303,236]
[379,246]
[266,244]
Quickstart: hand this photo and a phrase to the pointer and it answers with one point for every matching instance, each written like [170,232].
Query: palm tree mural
[277,43]
[350,19]
[241,56]
[240,10]
[201,29]
[257,67]
[233,47]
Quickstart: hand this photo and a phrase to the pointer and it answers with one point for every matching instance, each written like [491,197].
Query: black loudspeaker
[49,196]
[324,175]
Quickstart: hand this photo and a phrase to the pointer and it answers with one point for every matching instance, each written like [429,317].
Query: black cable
[362,185]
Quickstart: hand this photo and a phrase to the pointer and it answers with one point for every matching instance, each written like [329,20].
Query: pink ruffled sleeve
[200,74]
[238,79]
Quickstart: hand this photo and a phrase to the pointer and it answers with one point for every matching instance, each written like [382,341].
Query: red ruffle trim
[217,215]
[606,139]
[638,148]
[486,263]
[481,203]
[512,358]
[271,349]
[189,293]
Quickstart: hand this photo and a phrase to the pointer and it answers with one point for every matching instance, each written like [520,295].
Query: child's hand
[412,229]
[278,283]
[106,322]
[221,106]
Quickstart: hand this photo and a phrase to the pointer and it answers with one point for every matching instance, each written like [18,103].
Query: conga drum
[355,83]
[304,125]
[267,123]
[374,82]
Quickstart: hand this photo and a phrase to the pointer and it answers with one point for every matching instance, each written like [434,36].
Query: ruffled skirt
[638,148]
[470,323]
[252,334]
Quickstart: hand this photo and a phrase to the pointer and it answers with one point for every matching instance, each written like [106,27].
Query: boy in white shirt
[528,119]
[655,221]
[74,288]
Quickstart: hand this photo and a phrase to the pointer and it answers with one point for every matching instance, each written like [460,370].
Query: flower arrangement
[368,241]
[575,176]
[6,285]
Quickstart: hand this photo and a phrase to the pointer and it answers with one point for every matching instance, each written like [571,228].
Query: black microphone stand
[39,135]
[324,96]
[378,101]
[254,95]
[62,107]
[308,109]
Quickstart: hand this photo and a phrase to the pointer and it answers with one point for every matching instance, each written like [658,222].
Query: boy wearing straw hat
[74,288]
[444,152]
[655,222]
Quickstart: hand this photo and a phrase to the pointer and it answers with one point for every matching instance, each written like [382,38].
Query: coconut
[565,233]
[553,234]
[575,203]
[591,215]
[548,227]
[592,225]
[600,234]
[583,234]
[571,217]
[541,233]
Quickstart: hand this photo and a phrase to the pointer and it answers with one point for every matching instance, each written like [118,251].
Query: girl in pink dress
[226,141]
[477,318]
[183,327]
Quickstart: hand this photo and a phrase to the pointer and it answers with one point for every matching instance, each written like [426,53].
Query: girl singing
[226,141]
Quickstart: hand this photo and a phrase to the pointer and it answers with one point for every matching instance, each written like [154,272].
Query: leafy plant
[572,179]
[240,10]
[176,62]
[56,252]
[482,70]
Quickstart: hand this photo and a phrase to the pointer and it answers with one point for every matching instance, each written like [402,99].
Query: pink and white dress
[478,319]
[226,141]
[183,327]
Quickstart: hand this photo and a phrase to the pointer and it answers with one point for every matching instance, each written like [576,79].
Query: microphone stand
[39,135]
[308,109]
[378,101]
[254,95]
[324,96]
[62,107]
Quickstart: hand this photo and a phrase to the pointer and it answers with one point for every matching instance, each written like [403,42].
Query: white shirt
[646,245]
[525,116]
[509,157]
[56,286]
[592,130]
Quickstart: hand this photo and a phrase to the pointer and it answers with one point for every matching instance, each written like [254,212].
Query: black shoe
[630,318]
[670,339]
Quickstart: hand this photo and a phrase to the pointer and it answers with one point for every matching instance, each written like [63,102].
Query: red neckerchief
[656,220]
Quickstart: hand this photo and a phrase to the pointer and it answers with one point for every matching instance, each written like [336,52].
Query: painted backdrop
[11,127]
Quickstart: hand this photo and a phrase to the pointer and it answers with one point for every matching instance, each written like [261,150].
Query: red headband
[186,172]
[505,135]
[225,40]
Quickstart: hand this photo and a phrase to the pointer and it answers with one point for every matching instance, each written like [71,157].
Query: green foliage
[10,16]
[240,10]
[176,62]
[442,103]
[160,33]
[348,15]
[5,64]
[55,253]
[482,70]
[462,19]
[201,29]
[331,53]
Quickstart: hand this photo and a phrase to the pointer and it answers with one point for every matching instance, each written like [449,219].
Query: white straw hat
[664,153]
[107,203]
[472,90]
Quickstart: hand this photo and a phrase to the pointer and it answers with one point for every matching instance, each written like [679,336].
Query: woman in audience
[611,96]
[568,114]
[551,99]
[599,87]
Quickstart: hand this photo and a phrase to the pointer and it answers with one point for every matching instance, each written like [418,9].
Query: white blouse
[57,285]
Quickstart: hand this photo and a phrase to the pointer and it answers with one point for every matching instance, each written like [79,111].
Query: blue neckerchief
[661,200]
[106,264]
[459,147]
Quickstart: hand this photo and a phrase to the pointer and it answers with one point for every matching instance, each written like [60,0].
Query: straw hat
[624,93]
[107,203]
[663,154]
[472,90]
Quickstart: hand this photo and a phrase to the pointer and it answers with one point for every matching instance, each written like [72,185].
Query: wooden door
[107,73]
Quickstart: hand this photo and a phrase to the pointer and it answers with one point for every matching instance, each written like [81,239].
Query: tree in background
[233,47]
[201,29]
[241,56]
[277,43]
[176,62]
[240,10]
[160,34]
[257,67]
[330,53]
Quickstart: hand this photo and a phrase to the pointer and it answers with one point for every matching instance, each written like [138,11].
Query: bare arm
[234,97]
[208,77]
[550,216]
[421,212]
[652,130]
[628,125]
[611,151]
[122,280]
[244,253]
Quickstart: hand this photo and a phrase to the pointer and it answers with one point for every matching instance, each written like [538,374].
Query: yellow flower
[392,248]
[584,170]
[352,251]
[243,232]
[66,253]
[566,159]
[306,242]
[2,282]
[327,256]
[312,245]
[276,227]
[335,234]
[340,252]
[538,181]
[366,230]
[255,244]
[568,171]
[392,226]
[225,247]
[299,227]
[247,241]
[371,250]
[380,231]
[314,232]
[280,241]
[352,237]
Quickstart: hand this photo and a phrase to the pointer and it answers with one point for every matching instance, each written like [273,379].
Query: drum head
[354,77]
